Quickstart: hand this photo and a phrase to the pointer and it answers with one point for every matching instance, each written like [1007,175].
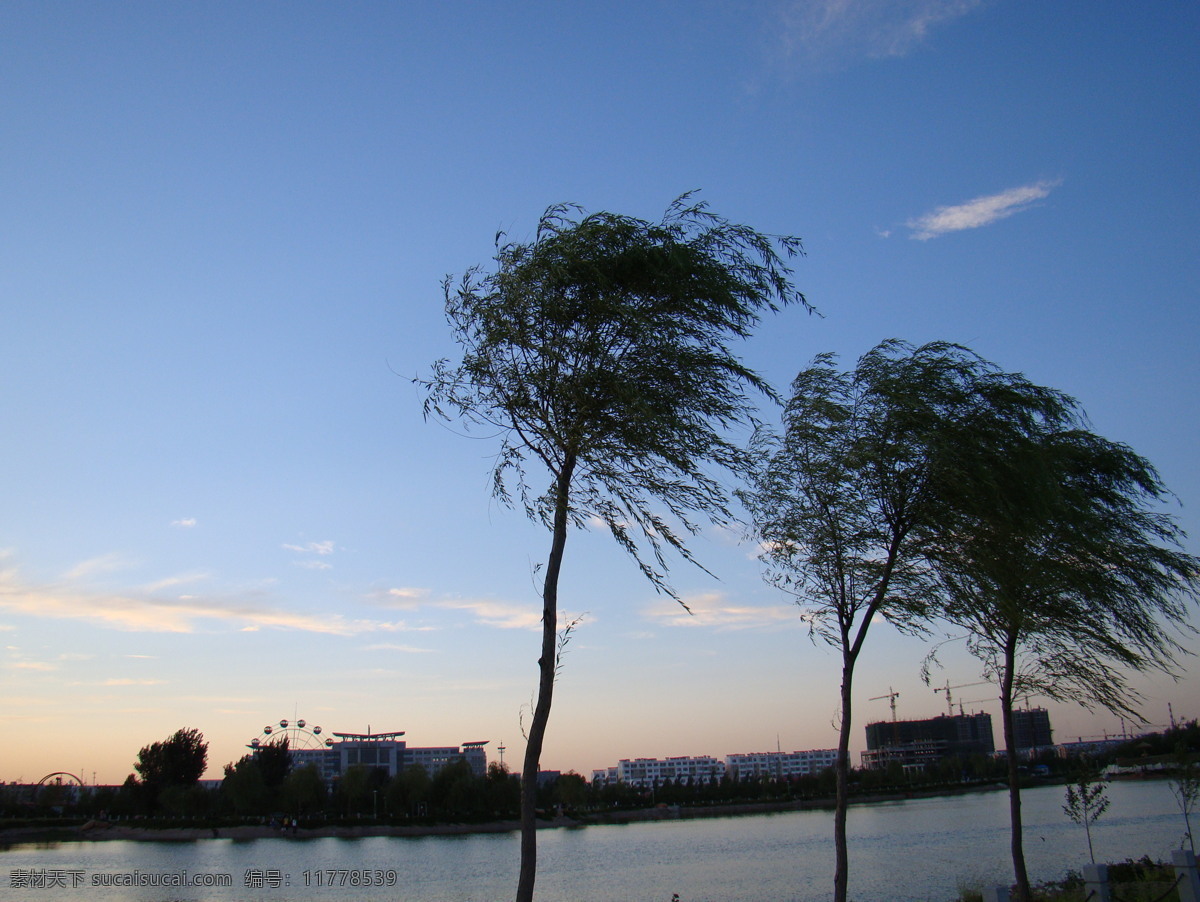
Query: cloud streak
[979,212]
[312,552]
[713,611]
[484,612]
[828,34]
[404,598]
[147,611]
[391,646]
[321,548]
[501,615]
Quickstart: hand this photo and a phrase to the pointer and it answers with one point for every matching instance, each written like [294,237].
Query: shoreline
[104,831]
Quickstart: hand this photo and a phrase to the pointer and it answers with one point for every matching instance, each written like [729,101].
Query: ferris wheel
[298,733]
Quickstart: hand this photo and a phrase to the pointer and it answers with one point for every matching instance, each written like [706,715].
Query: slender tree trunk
[546,667]
[850,652]
[841,873]
[1024,894]
[1087,828]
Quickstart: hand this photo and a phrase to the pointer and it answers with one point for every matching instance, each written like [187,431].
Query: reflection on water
[917,850]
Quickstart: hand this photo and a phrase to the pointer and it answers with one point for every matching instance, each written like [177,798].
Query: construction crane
[973,701]
[949,701]
[891,694]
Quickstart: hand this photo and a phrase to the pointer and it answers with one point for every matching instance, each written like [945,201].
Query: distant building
[604,775]
[649,772]
[919,743]
[646,772]
[434,759]
[780,765]
[1089,747]
[1031,729]
[383,750]
[387,751]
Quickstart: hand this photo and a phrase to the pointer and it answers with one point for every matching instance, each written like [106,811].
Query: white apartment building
[780,765]
[650,771]
[646,772]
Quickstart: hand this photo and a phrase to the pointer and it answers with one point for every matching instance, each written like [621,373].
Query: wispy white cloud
[40,666]
[107,563]
[185,523]
[830,34]
[407,649]
[172,582]
[639,635]
[979,212]
[714,611]
[321,548]
[403,598]
[502,615]
[140,610]
[308,550]
[486,612]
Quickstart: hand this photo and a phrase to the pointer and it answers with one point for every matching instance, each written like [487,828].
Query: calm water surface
[900,852]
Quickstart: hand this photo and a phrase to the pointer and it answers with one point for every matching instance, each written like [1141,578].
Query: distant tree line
[264,785]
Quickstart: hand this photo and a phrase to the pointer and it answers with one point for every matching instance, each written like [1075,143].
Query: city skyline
[224,235]
[305,736]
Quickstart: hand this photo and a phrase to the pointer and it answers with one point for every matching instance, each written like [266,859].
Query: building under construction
[920,743]
[1031,729]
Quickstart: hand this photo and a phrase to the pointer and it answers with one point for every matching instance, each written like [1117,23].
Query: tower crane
[949,701]
[892,695]
[973,701]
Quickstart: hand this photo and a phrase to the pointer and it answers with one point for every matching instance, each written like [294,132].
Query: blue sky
[222,237]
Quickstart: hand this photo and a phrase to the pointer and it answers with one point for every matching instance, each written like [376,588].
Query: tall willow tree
[846,495]
[1054,555]
[600,352]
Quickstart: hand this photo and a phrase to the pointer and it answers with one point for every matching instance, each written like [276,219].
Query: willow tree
[601,353]
[1055,556]
[847,493]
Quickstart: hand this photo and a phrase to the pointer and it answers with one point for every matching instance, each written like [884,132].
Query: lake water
[899,852]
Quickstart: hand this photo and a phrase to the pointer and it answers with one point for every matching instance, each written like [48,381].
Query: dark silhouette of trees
[360,789]
[244,789]
[274,761]
[455,791]
[929,483]
[303,791]
[570,791]
[600,351]
[408,793]
[253,783]
[1053,554]
[503,792]
[175,763]
[845,495]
